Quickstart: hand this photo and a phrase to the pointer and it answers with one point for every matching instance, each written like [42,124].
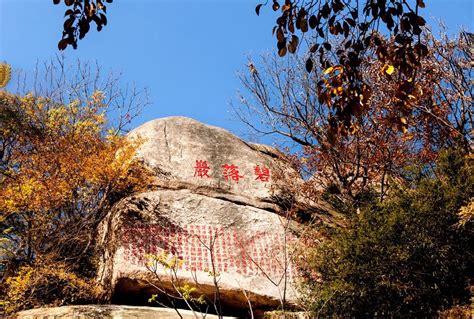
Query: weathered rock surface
[174,144]
[231,228]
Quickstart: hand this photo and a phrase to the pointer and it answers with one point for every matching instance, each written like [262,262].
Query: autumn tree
[63,165]
[400,178]
[381,142]
[355,28]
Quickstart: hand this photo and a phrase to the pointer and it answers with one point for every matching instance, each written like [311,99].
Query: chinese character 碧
[263,174]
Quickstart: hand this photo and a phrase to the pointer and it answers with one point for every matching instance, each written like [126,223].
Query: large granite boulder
[218,207]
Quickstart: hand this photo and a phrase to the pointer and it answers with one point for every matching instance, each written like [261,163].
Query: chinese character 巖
[201,169]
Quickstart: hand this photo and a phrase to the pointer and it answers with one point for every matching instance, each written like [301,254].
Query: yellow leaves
[27,188]
[97,99]
[70,154]
[338,90]
[166,260]
[408,137]
[403,125]
[5,74]
[211,273]
[389,69]
[187,292]
[354,128]
[20,195]
[18,286]
[152,298]
[333,69]
[31,281]
[466,213]
[100,119]
[63,170]
[89,126]
[61,119]
[111,133]
[112,163]
[328,70]
[73,109]
[26,99]
[56,118]
[75,118]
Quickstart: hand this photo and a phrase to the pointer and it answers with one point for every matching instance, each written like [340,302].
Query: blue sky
[186,52]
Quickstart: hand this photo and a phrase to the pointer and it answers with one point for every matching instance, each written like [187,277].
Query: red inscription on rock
[256,254]
[263,174]
[201,169]
[231,172]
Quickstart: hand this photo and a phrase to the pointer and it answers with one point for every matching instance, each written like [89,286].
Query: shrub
[406,256]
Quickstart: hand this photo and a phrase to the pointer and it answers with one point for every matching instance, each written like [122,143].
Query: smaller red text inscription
[230,172]
[233,251]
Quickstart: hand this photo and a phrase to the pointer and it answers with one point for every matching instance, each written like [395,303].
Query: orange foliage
[67,156]
[61,169]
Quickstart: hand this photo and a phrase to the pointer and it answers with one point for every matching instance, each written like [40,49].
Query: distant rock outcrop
[217,206]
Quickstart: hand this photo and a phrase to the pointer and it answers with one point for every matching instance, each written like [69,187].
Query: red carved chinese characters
[231,172]
[256,253]
[263,174]
[201,169]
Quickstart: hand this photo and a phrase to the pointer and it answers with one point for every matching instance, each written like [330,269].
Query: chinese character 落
[231,172]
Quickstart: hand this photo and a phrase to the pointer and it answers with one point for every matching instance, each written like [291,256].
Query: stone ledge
[108,312]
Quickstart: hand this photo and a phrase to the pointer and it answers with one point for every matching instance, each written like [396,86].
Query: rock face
[216,208]
[174,144]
